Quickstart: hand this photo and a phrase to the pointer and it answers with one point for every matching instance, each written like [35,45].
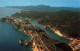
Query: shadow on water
[22,45]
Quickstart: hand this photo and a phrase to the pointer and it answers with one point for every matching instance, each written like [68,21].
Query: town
[40,40]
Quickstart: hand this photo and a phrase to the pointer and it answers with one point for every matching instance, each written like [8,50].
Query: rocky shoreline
[40,40]
[74,44]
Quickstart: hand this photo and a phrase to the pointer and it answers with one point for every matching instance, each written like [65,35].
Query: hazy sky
[53,3]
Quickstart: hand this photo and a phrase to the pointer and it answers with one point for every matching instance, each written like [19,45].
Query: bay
[9,36]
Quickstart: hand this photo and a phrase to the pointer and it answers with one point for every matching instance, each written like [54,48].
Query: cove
[10,36]
[50,32]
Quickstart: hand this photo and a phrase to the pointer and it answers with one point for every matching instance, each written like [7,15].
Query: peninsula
[65,23]
[40,40]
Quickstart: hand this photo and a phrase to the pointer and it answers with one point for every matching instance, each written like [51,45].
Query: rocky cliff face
[40,40]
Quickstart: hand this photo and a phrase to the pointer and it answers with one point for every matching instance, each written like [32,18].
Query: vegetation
[44,8]
[46,18]
[68,22]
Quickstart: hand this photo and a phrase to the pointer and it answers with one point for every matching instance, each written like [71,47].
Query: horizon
[51,3]
[39,5]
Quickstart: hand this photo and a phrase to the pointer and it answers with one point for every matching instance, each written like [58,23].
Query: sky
[52,3]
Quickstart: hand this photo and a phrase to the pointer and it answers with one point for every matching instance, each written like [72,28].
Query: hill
[44,8]
[67,22]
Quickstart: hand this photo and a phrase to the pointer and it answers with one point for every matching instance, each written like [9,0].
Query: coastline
[35,33]
[74,44]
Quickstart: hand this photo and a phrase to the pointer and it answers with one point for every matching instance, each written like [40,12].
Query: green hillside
[44,8]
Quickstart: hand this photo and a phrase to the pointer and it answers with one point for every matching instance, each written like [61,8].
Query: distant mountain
[44,8]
